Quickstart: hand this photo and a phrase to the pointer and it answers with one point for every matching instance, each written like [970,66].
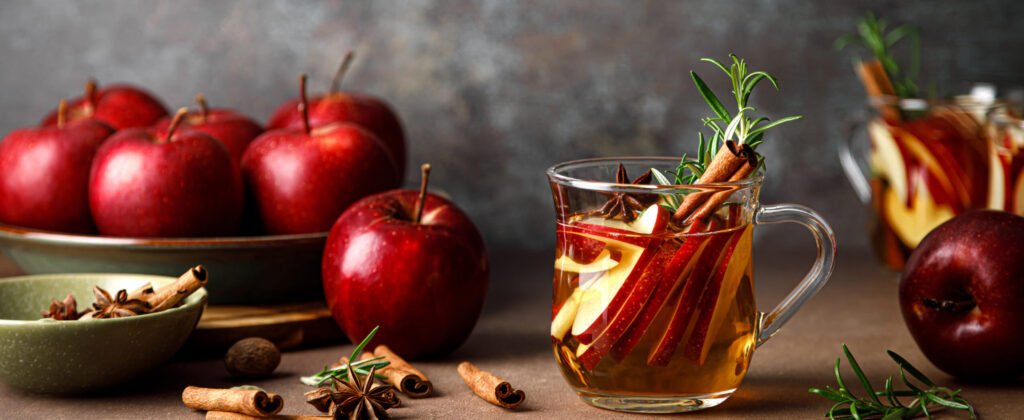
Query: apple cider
[928,166]
[668,315]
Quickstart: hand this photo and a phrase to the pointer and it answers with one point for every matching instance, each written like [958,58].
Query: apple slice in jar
[680,267]
[886,157]
[1018,194]
[564,315]
[605,297]
[687,304]
[604,261]
[718,297]
[579,248]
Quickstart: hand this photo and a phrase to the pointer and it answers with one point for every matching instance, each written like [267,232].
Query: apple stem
[203,109]
[62,113]
[425,168]
[948,305]
[303,102]
[342,69]
[175,122]
[90,92]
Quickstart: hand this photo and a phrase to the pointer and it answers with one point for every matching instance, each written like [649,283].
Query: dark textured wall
[494,92]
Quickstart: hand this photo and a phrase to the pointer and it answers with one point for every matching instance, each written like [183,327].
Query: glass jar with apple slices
[655,313]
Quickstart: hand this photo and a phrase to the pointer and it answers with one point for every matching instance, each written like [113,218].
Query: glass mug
[649,318]
[928,161]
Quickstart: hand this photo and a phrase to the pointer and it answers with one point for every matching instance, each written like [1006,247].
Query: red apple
[160,183]
[302,180]
[234,130]
[410,262]
[369,112]
[119,106]
[44,174]
[962,295]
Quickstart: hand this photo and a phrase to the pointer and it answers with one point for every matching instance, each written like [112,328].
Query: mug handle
[770,323]
[854,172]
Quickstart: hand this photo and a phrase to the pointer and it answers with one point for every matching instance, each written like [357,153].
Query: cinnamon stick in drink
[717,199]
[407,379]
[168,296]
[877,84]
[721,168]
[246,401]
[489,387]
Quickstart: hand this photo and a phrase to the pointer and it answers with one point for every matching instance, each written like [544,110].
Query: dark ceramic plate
[243,270]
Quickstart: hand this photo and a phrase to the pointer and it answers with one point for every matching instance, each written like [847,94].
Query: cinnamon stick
[227,415]
[405,378]
[168,296]
[142,293]
[489,387]
[722,166]
[246,401]
[877,84]
[718,198]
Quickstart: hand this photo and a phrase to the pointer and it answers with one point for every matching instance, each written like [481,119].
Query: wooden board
[289,325]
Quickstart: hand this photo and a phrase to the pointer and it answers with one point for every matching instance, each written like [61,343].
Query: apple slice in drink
[638,297]
[683,262]
[886,156]
[1018,194]
[604,261]
[579,248]
[603,299]
[718,297]
[564,315]
[693,289]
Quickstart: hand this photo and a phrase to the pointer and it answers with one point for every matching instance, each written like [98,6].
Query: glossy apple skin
[301,183]
[979,257]
[44,176]
[234,130]
[144,186]
[119,106]
[367,111]
[424,284]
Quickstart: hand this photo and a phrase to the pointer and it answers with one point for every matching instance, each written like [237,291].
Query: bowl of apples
[109,182]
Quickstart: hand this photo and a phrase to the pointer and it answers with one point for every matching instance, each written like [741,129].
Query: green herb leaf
[893,408]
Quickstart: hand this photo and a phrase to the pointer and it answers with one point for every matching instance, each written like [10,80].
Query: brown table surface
[858,307]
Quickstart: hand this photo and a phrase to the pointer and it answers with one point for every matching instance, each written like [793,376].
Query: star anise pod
[625,204]
[118,307]
[63,310]
[354,400]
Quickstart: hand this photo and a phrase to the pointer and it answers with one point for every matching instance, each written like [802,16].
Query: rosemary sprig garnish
[871,34]
[361,367]
[862,408]
[741,127]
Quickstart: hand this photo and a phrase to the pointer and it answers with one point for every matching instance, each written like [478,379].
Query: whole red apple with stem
[302,180]
[119,106]
[367,111]
[962,295]
[234,130]
[44,174]
[411,262]
[162,183]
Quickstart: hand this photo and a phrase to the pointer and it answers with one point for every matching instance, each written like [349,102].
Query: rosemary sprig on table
[872,405]
[361,367]
[871,34]
[725,126]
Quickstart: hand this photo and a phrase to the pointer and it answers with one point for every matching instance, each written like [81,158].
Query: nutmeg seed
[252,357]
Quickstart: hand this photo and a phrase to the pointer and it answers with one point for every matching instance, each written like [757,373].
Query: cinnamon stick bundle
[227,415]
[245,401]
[733,162]
[489,387]
[405,378]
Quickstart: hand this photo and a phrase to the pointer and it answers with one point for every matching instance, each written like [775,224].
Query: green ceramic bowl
[74,357]
[243,270]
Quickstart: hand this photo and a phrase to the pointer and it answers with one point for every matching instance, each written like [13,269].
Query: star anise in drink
[354,400]
[65,310]
[627,205]
[117,307]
